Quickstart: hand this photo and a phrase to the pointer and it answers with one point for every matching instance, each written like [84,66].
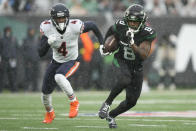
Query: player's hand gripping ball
[109,46]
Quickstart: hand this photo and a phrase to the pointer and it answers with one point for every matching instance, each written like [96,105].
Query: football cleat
[103,111]
[49,117]
[74,106]
[111,122]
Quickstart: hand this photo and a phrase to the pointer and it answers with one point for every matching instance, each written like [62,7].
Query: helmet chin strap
[135,31]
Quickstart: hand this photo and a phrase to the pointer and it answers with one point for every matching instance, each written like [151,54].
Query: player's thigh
[49,81]
[68,68]
[121,75]
[133,90]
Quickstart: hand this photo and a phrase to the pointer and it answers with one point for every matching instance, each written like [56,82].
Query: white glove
[51,39]
[101,48]
[130,34]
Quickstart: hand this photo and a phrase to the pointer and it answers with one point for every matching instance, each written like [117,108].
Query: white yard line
[152,120]
[36,128]
[19,111]
[160,114]
[157,101]
[7,118]
[91,126]
[190,123]
[22,115]
[150,101]
[147,125]
[130,114]
[118,119]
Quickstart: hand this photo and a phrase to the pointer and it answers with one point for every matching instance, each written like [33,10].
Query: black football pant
[53,68]
[132,83]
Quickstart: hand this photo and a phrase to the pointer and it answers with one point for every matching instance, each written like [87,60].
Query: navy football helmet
[59,16]
[135,13]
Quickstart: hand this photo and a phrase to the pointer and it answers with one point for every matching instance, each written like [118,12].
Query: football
[110,44]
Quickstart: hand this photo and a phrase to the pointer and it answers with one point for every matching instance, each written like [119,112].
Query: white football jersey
[66,46]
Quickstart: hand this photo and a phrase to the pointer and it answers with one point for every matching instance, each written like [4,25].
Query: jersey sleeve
[149,34]
[118,27]
[45,28]
[111,31]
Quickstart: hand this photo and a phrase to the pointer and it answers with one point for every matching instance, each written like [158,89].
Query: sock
[47,101]
[72,97]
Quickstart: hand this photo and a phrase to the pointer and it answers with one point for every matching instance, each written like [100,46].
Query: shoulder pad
[120,25]
[45,26]
[76,24]
[120,22]
[148,33]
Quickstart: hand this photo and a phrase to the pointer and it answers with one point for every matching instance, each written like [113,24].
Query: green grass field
[155,111]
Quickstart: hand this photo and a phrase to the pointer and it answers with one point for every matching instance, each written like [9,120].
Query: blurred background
[171,66]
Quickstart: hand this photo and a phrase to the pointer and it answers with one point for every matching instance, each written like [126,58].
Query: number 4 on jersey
[62,49]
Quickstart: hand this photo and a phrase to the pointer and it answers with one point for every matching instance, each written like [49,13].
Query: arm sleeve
[43,46]
[149,35]
[111,31]
[90,26]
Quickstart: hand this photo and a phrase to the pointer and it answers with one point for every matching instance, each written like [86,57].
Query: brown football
[110,44]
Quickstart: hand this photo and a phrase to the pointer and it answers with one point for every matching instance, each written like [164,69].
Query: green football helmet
[135,13]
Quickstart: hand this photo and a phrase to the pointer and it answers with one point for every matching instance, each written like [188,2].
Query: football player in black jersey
[134,40]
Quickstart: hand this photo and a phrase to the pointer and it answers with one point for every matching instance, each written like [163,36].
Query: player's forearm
[142,52]
[90,26]
[43,46]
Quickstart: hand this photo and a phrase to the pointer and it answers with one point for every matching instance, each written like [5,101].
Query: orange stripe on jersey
[72,70]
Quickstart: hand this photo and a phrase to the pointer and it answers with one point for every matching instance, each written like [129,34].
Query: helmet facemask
[60,21]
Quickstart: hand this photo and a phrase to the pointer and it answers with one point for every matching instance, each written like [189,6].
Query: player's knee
[61,80]
[58,78]
[131,104]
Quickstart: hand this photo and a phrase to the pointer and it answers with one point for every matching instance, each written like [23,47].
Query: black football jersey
[125,54]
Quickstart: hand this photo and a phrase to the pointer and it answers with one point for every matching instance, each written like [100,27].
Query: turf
[24,111]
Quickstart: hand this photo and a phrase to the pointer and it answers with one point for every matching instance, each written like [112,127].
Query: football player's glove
[51,39]
[130,34]
[101,48]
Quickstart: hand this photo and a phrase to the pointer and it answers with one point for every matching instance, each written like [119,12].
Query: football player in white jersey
[61,34]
